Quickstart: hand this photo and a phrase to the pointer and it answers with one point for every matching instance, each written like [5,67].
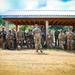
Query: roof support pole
[7,26]
[16,28]
[46,27]
[73,28]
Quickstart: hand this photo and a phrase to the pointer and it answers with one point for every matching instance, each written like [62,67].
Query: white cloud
[30,4]
[34,4]
[58,5]
[4,5]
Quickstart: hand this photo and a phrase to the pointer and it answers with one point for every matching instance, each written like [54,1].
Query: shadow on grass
[42,53]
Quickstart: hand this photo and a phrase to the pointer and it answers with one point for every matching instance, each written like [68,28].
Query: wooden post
[73,28]
[16,28]
[46,27]
[7,26]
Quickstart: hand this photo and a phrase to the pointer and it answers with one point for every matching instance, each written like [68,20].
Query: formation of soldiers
[37,39]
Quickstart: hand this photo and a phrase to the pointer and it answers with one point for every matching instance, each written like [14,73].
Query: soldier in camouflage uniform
[14,39]
[3,32]
[62,38]
[56,38]
[43,38]
[37,38]
[70,39]
[1,39]
[20,38]
[10,38]
[30,39]
[49,39]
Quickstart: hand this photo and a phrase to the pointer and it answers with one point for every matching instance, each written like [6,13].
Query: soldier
[70,39]
[1,39]
[49,39]
[56,37]
[14,33]
[30,39]
[20,38]
[43,38]
[37,38]
[4,34]
[25,40]
[65,45]
[62,38]
[10,38]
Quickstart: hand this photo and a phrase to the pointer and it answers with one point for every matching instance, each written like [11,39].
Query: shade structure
[31,17]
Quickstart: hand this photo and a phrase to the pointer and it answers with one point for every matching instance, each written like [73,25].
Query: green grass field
[28,62]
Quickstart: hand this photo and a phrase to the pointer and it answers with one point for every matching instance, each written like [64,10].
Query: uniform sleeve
[33,32]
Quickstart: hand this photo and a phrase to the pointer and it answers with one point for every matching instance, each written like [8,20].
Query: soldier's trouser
[15,44]
[68,44]
[72,44]
[37,41]
[11,44]
[20,42]
[56,42]
[49,44]
[61,44]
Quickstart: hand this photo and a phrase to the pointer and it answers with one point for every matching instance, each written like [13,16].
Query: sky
[6,5]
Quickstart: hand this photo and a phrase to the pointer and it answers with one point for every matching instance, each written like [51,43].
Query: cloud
[37,4]
[65,0]
[4,5]
[59,5]
[29,4]
[33,4]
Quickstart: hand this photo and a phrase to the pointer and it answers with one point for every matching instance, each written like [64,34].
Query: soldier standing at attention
[14,34]
[37,38]
[10,38]
[43,41]
[1,39]
[3,32]
[20,37]
[49,39]
[70,39]
[56,38]
[62,38]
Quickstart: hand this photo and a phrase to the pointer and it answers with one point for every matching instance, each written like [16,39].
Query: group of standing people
[63,39]
[37,39]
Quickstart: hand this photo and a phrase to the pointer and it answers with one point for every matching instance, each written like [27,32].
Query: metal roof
[39,14]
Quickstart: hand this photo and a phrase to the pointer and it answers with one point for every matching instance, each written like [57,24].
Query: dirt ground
[28,62]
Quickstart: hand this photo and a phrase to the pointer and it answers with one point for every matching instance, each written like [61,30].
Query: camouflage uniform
[49,39]
[10,38]
[20,38]
[62,38]
[1,39]
[70,40]
[14,39]
[43,39]
[37,38]
[30,40]
[4,35]
[56,38]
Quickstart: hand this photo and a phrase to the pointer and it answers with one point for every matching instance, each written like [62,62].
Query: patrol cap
[3,28]
[9,30]
[36,24]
